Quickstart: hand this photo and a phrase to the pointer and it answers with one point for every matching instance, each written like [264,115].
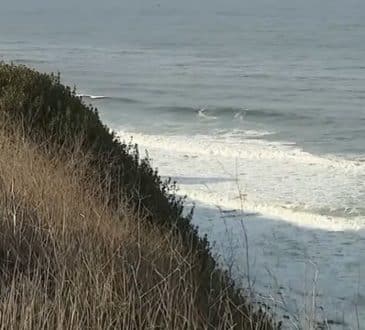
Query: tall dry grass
[69,261]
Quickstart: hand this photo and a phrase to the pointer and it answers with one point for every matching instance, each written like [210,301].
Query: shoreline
[288,250]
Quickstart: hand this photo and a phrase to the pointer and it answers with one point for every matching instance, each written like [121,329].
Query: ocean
[255,108]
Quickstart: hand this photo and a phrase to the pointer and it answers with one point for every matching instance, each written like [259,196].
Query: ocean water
[257,109]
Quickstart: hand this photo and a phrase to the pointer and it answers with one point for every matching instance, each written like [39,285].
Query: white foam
[249,133]
[227,146]
[240,115]
[202,113]
[278,179]
[94,97]
[308,219]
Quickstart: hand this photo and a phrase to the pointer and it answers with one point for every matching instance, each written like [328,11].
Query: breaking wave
[111,98]
[279,179]
[233,112]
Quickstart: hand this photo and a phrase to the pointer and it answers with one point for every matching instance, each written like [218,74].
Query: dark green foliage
[51,114]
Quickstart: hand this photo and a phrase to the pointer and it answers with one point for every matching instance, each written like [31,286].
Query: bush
[52,114]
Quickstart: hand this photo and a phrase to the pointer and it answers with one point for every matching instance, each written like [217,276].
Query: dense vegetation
[99,239]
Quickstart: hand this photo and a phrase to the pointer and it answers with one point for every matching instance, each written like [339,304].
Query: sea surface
[256,108]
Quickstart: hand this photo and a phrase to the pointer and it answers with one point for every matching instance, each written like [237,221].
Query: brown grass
[68,261]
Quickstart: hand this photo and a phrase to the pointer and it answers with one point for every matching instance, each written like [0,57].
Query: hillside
[91,236]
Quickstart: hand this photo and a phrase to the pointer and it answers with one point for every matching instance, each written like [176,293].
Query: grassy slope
[91,238]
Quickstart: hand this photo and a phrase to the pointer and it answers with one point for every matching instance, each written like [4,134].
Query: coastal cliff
[91,235]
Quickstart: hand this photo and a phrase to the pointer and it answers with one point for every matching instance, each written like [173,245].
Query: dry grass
[68,261]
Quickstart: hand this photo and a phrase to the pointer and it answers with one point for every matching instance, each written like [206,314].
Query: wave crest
[111,98]
[233,112]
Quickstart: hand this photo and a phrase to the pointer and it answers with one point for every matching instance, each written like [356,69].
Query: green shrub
[52,114]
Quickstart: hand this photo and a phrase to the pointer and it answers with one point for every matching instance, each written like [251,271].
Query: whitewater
[306,231]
